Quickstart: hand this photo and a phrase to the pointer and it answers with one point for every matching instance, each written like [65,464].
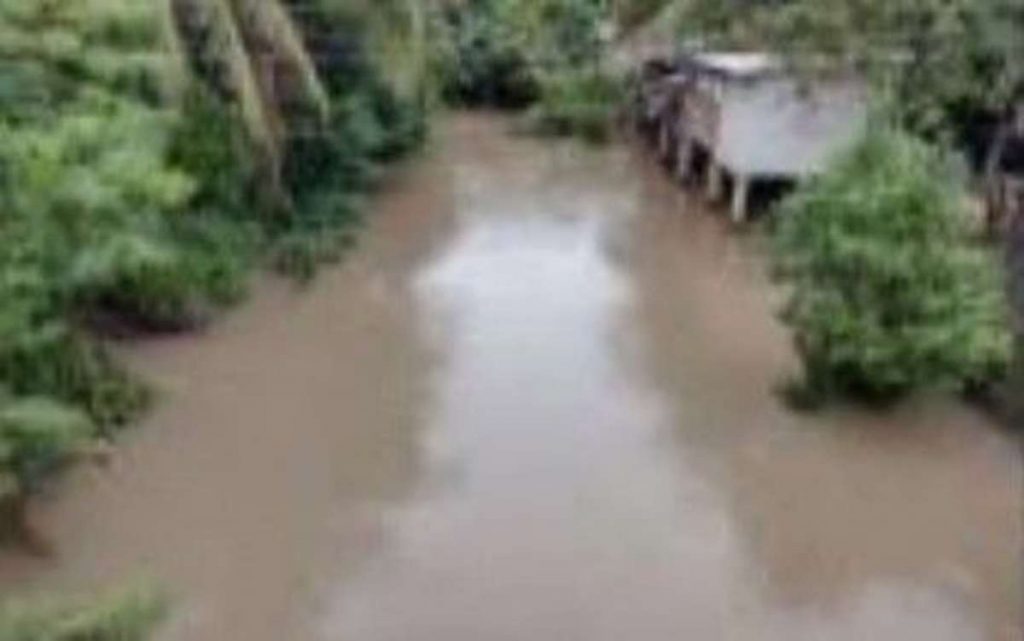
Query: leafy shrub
[327,170]
[328,214]
[216,255]
[514,53]
[342,158]
[888,293]
[36,436]
[577,103]
[568,32]
[141,281]
[490,65]
[217,237]
[42,355]
[86,193]
[127,615]
[208,143]
[402,121]
[301,253]
[88,190]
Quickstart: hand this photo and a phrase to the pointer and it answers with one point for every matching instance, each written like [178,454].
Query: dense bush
[490,65]
[329,169]
[503,49]
[888,292]
[37,435]
[546,55]
[85,193]
[577,103]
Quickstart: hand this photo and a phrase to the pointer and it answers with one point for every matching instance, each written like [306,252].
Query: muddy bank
[536,403]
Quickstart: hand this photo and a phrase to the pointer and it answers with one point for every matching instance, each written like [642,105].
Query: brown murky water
[537,405]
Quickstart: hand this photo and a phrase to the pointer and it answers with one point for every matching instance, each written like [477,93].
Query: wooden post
[715,181]
[684,163]
[740,198]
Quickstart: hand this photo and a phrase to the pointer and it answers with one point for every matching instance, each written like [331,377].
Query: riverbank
[537,401]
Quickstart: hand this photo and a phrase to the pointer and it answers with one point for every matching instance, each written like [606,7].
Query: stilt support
[684,162]
[740,198]
[715,181]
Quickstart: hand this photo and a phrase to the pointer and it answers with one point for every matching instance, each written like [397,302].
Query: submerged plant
[126,615]
[36,436]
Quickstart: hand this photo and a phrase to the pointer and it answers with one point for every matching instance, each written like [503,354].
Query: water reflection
[613,462]
[557,517]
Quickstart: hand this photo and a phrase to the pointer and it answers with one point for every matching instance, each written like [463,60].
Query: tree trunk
[283,65]
[213,41]
[175,82]
[994,207]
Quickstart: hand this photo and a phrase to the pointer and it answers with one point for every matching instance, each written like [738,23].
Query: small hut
[753,118]
[654,105]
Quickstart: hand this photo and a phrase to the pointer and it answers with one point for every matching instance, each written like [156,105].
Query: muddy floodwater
[536,404]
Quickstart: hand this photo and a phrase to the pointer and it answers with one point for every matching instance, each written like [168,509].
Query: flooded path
[536,404]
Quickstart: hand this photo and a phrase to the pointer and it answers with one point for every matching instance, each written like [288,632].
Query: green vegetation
[128,615]
[489,64]
[85,196]
[154,153]
[950,72]
[582,104]
[547,55]
[888,294]
[37,433]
